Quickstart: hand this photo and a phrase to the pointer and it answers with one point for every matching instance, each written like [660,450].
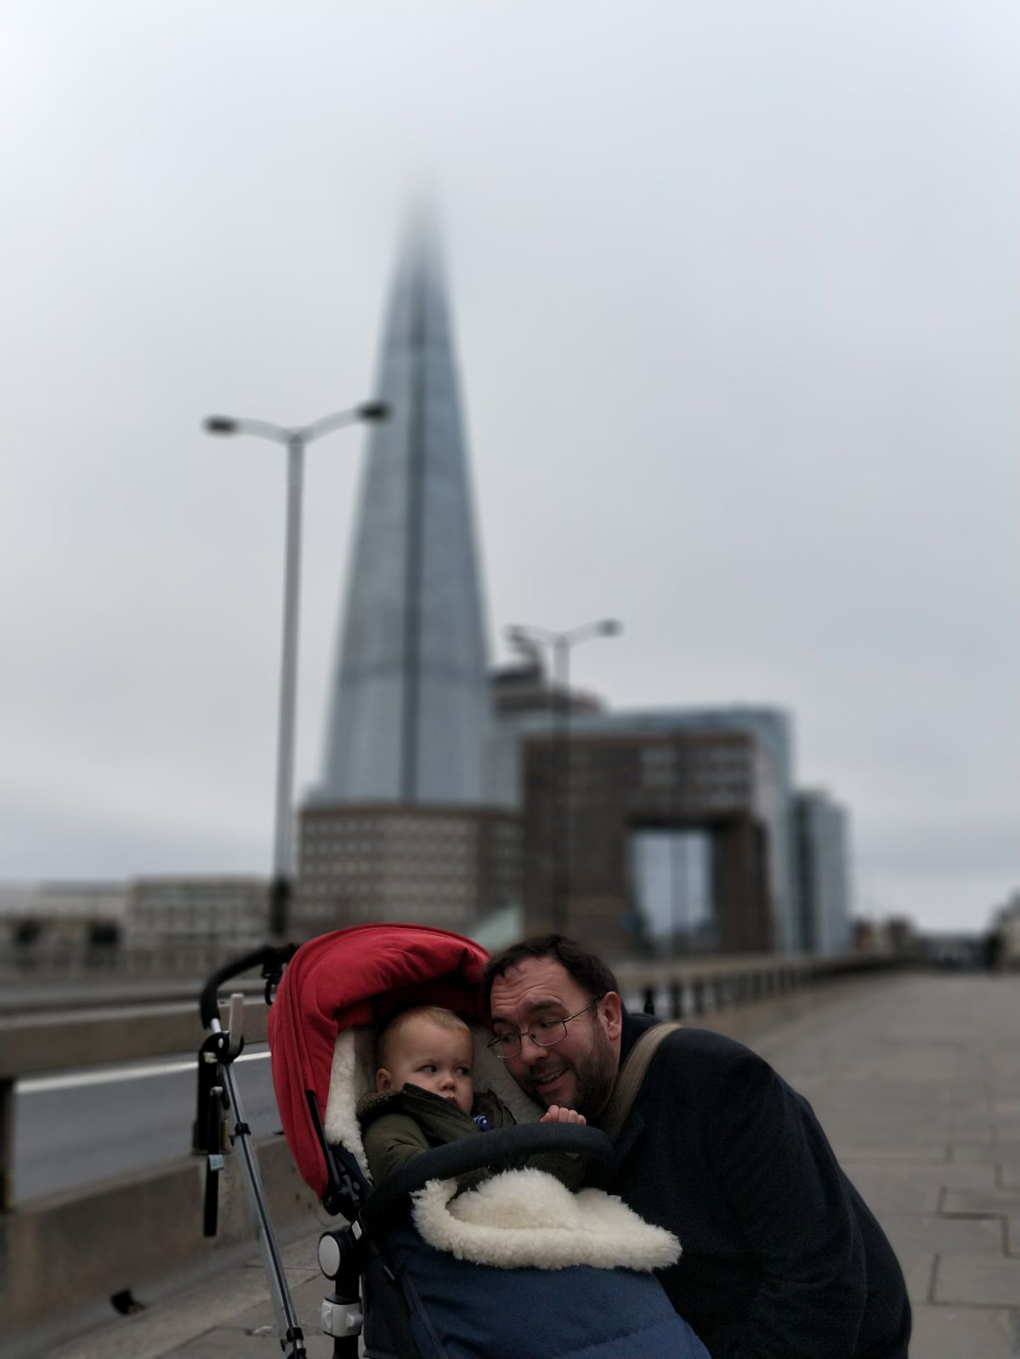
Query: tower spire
[409,702]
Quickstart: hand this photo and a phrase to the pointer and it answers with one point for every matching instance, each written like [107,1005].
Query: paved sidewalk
[916,1078]
[919,1091]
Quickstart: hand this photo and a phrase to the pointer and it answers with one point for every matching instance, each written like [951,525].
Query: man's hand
[560,1114]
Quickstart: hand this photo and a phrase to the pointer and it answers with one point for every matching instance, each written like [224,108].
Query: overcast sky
[737,297]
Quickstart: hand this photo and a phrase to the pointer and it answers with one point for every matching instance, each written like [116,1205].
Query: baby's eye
[463,1071]
[429,1067]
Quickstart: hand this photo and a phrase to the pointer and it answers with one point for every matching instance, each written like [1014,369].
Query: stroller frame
[219,1102]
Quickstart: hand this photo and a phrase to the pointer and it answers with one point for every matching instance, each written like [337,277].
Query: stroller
[412,1278]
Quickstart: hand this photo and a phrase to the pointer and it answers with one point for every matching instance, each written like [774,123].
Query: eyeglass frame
[520,1034]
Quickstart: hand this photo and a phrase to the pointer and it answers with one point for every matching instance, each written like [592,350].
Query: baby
[425,1096]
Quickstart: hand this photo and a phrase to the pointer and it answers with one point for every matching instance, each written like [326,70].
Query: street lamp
[529,639]
[295,441]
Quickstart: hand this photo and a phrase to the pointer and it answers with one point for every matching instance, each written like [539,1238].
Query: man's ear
[383,1081]
[611,1009]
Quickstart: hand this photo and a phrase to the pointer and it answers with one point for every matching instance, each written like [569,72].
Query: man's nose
[531,1052]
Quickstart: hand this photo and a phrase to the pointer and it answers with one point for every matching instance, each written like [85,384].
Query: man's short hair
[588,970]
[437,1014]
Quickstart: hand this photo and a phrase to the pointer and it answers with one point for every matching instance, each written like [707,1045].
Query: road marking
[39,1085]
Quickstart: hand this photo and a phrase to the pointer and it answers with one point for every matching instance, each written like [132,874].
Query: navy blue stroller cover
[461,1310]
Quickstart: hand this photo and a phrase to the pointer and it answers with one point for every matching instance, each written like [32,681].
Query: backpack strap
[631,1075]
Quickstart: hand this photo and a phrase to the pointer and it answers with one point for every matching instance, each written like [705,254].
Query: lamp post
[295,441]
[561,644]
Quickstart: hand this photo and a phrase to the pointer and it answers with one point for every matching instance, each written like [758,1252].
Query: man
[781,1257]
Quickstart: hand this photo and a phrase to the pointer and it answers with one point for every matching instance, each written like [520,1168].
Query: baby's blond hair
[446,1019]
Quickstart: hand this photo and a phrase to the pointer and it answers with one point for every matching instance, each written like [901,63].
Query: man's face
[579,1071]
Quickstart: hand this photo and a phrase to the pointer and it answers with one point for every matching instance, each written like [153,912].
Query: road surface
[73,1129]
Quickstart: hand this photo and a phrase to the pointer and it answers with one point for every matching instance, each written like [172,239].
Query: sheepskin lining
[526,1219]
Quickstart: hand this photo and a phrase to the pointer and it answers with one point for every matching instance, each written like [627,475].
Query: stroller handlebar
[501,1149]
[267,957]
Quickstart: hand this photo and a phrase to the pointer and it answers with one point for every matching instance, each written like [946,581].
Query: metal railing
[41,1042]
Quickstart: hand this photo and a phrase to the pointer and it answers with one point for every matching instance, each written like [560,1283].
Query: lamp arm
[328,423]
[263,429]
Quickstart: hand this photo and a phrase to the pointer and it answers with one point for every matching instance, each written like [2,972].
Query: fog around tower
[735,291]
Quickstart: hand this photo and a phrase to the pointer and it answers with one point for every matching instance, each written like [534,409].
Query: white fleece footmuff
[526,1219]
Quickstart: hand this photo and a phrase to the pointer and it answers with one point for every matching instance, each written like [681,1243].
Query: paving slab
[975,1202]
[943,1235]
[977,1280]
[964,1333]
[919,1272]
[850,1150]
[161,1329]
[200,1308]
[985,1153]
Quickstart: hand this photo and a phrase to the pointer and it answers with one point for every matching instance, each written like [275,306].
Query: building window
[671,889]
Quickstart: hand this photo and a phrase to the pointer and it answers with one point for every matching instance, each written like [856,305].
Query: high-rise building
[409,706]
[823,868]
[401,825]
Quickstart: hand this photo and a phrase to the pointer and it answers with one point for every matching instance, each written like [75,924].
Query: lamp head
[610,627]
[220,424]
[373,411]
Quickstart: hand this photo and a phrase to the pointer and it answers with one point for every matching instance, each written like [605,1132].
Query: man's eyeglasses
[544,1033]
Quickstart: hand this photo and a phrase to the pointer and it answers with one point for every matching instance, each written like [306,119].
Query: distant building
[443,866]
[67,900]
[823,872]
[171,911]
[1005,934]
[148,926]
[677,827]
[62,924]
[402,824]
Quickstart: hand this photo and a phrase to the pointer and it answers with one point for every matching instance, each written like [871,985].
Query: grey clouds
[736,296]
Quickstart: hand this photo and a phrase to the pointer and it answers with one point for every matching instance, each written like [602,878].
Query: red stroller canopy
[362,975]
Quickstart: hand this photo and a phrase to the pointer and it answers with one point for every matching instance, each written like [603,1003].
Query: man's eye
[547,1025]
[504,1040]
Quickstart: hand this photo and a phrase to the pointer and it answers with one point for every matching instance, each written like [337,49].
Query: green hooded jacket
[402,1123]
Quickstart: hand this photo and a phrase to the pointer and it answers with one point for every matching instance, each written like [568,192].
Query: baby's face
[436,1058]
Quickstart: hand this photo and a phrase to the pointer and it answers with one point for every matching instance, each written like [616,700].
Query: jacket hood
[421,1105]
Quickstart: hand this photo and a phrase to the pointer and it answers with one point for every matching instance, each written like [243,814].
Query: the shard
[409,708]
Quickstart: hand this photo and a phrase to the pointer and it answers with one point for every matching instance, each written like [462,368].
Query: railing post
[649,998]
[6,1144]
[676,1000]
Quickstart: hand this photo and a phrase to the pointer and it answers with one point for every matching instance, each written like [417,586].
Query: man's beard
[594,1076]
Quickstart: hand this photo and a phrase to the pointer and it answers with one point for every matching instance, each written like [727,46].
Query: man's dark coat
[781,1257]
